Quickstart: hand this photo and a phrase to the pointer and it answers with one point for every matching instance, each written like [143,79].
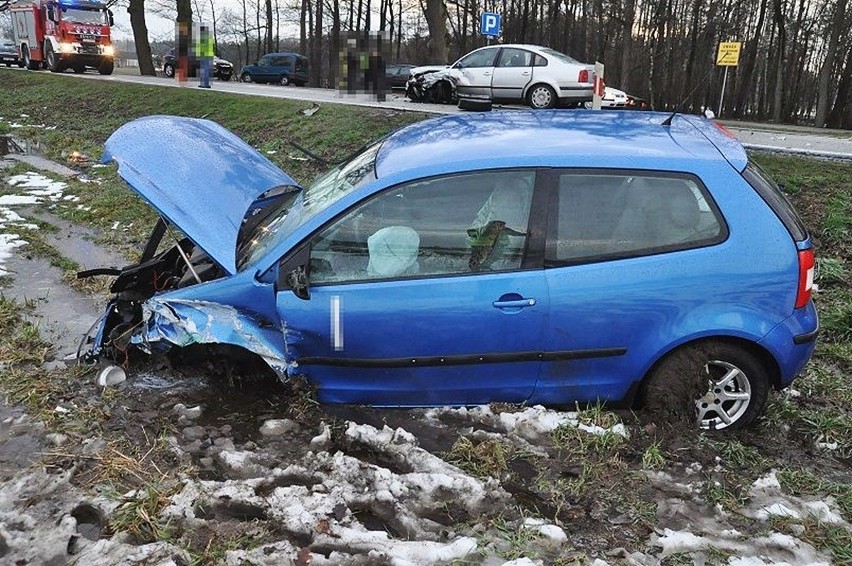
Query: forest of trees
[795,65]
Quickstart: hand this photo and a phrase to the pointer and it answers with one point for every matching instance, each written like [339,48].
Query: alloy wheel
[727,397]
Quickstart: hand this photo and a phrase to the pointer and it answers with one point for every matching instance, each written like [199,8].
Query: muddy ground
[184,463]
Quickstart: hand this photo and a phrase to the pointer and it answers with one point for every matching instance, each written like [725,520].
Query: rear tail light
[584,76]
[806,277]
[724,130]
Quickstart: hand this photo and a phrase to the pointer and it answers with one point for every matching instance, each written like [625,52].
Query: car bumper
[792,342]
[9,59]
[582,93]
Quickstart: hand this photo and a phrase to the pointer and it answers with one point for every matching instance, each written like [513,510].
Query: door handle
[486,74]
[526,73]
[516,304]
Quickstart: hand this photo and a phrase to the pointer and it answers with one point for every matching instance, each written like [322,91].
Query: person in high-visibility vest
[205,54]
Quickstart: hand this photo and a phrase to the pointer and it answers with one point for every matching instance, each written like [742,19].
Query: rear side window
[606,216]
[770,192]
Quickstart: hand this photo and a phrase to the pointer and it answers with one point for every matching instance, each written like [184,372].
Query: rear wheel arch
[765,357]
[680,384]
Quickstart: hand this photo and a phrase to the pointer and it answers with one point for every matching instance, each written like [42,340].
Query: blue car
[281,68]
[527,257]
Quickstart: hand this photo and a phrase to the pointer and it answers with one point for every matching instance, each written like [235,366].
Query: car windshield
[299,207]
[97,17]
[561,56]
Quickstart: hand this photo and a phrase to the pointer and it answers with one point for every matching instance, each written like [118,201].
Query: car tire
[106,67]
[541,96]
[440,93]
[712,383]
[284,80]
[169,70]
[79,69]
[51,59]
[225,78]
[475,104]
[28,62]
[246,78]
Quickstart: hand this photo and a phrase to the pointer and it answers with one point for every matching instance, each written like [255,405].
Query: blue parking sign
[489,24]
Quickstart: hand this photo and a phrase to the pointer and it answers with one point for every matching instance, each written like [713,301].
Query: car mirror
[295,273]
[111,18]
[298,282]
[50,14]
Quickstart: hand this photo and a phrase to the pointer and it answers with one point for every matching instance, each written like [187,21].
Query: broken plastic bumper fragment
[184,322]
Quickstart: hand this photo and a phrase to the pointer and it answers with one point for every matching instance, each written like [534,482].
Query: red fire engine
[63,34]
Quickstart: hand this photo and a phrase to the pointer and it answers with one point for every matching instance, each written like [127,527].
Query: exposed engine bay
[181,265]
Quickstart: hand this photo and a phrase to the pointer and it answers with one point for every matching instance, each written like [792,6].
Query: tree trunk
[627,44]
[303,27]
[436,19]
[779,69]
[334,44]
[316,48]
[843,103]
[747,82]
[828,65]
[136,9]
[268,6]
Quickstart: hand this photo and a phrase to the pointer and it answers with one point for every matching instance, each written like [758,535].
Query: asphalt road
[767,137]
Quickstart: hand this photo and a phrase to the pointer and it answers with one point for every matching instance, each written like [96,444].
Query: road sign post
[727,56]
[598,90]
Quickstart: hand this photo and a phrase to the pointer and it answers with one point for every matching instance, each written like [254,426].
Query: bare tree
[828,65]
[136,9]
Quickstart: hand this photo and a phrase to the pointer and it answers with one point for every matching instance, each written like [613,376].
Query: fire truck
[63,34]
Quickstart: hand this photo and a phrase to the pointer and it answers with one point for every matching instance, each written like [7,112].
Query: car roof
[555,138]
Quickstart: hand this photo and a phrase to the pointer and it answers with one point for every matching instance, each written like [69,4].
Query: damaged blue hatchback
[540,257]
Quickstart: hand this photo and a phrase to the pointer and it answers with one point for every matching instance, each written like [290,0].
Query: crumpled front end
[438,87]
[182,323]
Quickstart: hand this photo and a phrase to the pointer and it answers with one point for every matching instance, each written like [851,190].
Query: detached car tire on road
[541,257]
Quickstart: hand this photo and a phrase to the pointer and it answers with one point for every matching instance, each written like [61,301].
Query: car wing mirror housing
[298,282]
[295,273]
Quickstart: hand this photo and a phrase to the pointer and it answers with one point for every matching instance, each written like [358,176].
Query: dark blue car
[281,68]
[539,257]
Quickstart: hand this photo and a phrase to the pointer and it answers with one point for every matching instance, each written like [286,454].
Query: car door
[263,70]
[625,273]
[473,72]
[512,73]
[416,300]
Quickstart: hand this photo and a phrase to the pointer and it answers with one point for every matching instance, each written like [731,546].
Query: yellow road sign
[729,53]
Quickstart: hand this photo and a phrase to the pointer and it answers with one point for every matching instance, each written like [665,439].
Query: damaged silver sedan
[528,74]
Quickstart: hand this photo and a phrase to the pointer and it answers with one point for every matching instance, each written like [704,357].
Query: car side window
[539,61]
[602,216]
[264,62]
[450,225]
[513,57]
[482,58]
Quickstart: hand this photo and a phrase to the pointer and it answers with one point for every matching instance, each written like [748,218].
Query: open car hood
[198,175]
